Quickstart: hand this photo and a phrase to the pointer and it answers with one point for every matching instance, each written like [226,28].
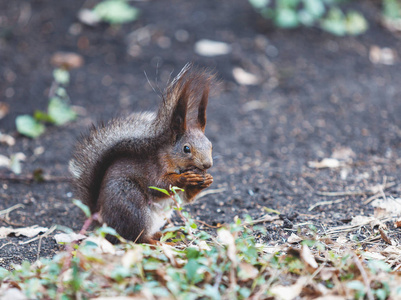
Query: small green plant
[116,11]
[324,14]
[392,9]
[58,112]
[229,264]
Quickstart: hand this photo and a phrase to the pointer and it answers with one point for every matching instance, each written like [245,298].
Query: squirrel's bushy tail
[133,136]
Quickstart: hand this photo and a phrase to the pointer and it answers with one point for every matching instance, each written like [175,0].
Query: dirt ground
[318,96]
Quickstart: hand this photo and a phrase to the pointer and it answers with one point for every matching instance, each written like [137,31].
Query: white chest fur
[159,213]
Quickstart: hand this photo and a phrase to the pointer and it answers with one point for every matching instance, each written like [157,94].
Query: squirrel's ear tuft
[202,108]
[179,117]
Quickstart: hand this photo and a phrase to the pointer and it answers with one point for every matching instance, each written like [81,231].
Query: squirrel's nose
[207,165]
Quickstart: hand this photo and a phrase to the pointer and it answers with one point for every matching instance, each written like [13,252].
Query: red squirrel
[114,165]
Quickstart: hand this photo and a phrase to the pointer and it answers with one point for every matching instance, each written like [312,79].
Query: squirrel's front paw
[191,178]
[208,180]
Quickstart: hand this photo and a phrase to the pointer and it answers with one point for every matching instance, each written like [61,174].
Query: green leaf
[160,190]
[314,7]
[90,244]
[212,292]
[305,17]
[174,189]
[3,273]
[83,207]
[191,269]
[116,11]
[381,294]
[271,210]
[259,4]
[15,164]
[61,76]
[287,4]
[392,9]
[172,229]
[119,273]
[192,252]
[41,116]
[356,23]
[167,236]
[378,265]
[106,230]
[61,92]
[335,22]
[286,18]
[244,292]
[28,126]
[358,286]
[60,112]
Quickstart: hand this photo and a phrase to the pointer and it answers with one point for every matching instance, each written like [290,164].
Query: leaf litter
[309,265]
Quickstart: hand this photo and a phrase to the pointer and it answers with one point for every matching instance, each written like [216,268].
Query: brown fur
[115,164]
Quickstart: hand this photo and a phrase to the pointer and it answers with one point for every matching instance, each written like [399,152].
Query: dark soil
[318,94]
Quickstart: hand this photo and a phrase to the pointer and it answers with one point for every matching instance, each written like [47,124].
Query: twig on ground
[357,193]
[347,228]
[265,218]
[207,225]
[326,203]
[370,199]
[10,209]
[2,246]
[211,191]
[364,276]
[46,234]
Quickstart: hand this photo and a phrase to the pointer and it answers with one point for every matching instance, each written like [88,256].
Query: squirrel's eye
[187,149]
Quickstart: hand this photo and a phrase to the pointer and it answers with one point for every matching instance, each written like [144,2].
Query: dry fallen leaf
[392,250]
[308,257]
[8,292]
[68,237]
[67,60]
[269,249]
[373,255]
[7,139]
[385,56]
[226,238]
[132,257]
[327,273]
[26,231]
[4,161]
[343,153]
[384,236]
[4,108]
[104,246]
[169,252]
[342,239]
[289,292]
[293,239]
[362,220]
[245,78]
[391,205]
[204,246]
[88,17]
[247,271]
[211,48]
[325,163]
